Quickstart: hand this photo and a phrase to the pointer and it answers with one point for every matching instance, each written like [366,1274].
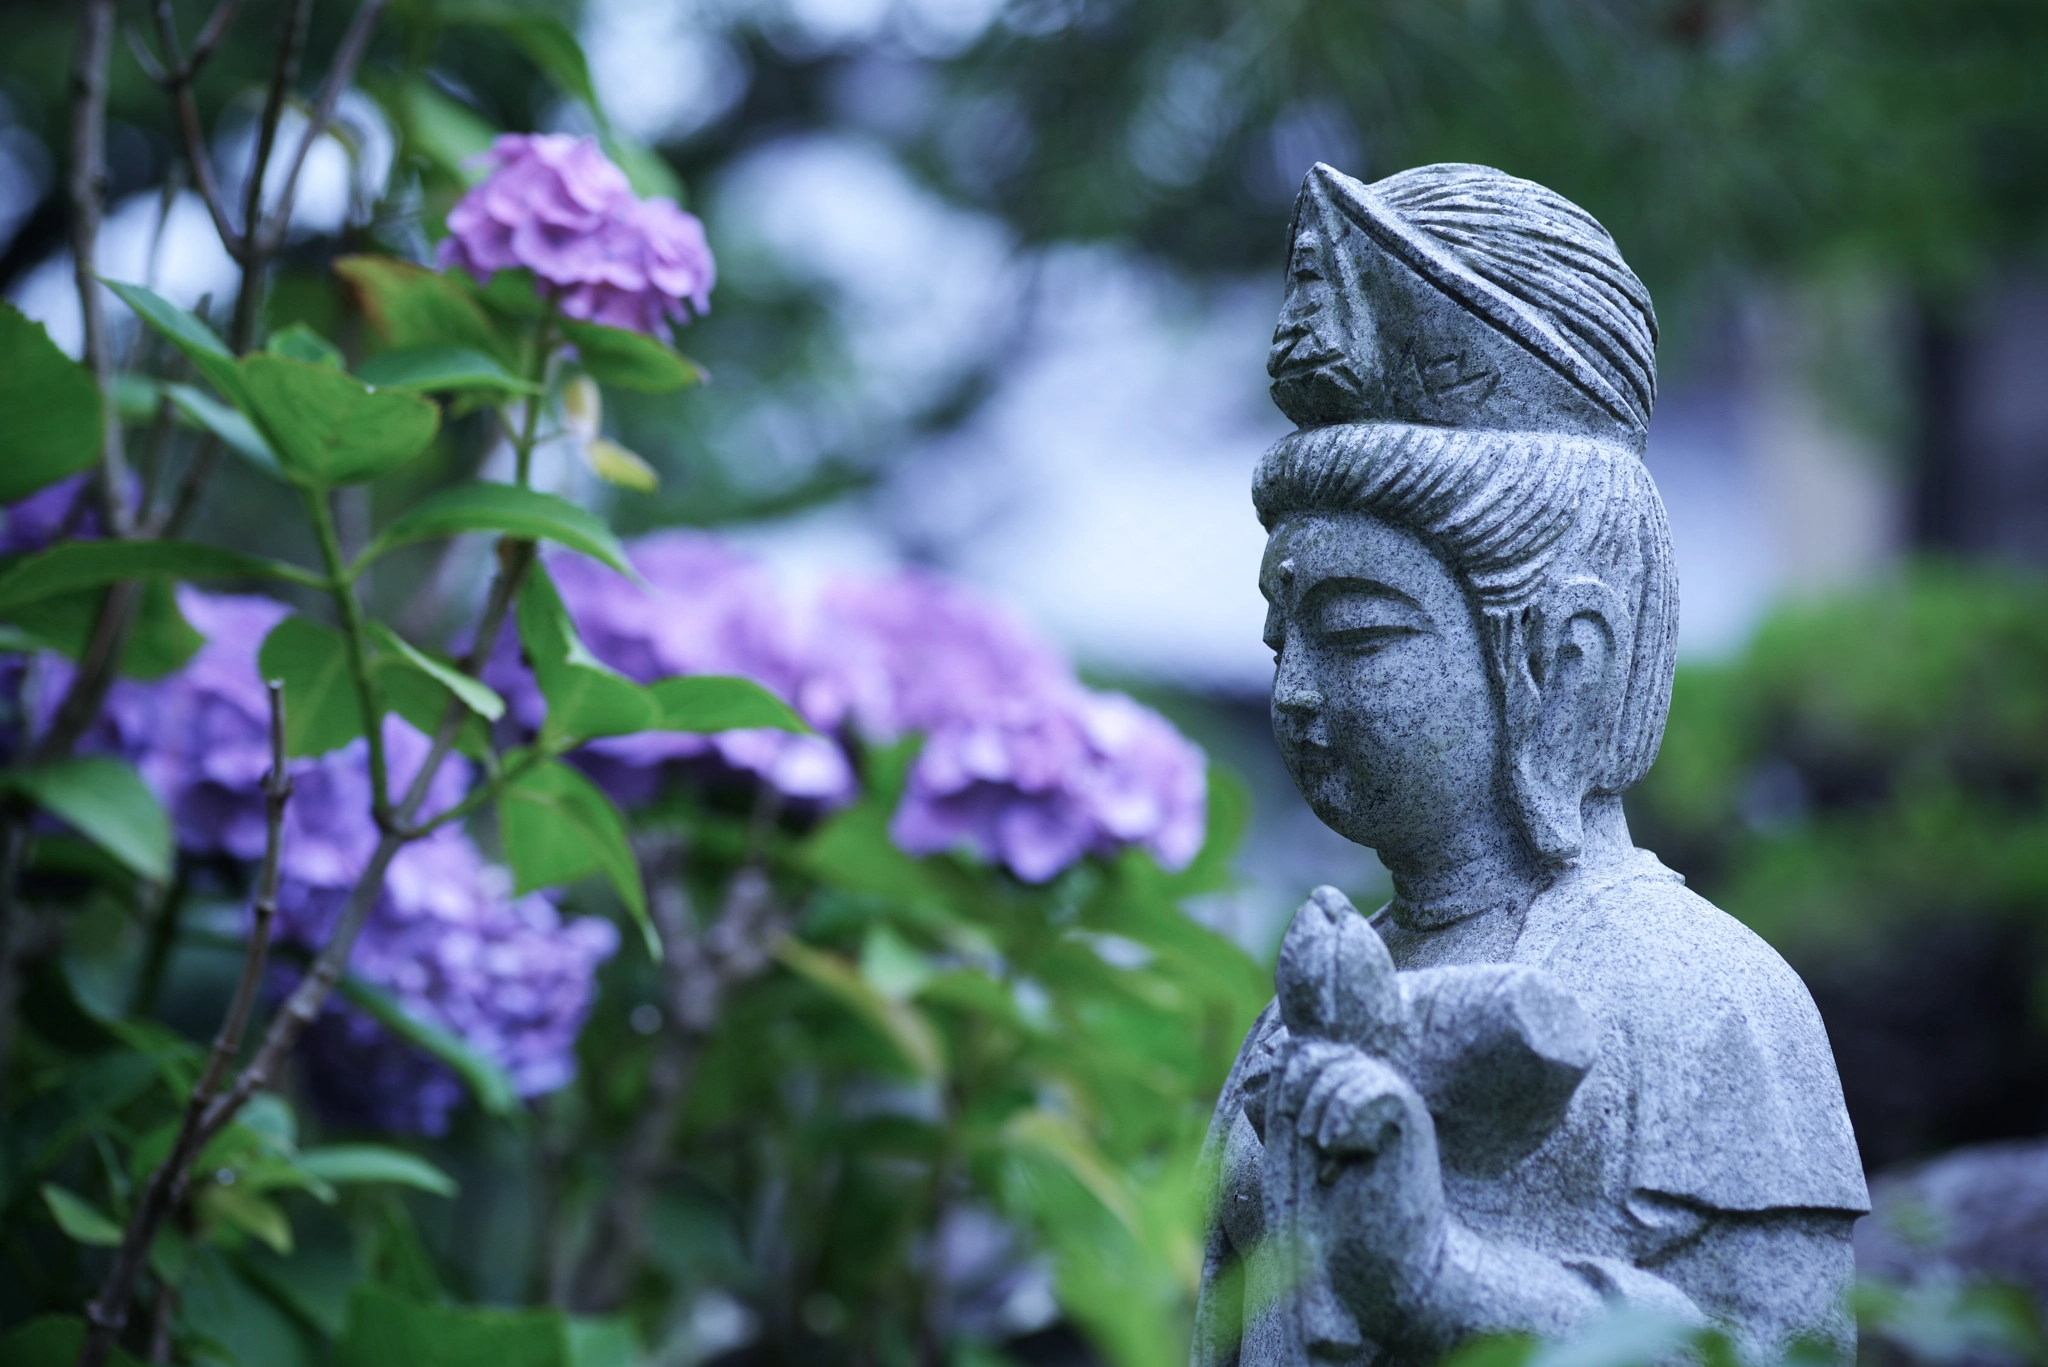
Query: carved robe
[1708,1141]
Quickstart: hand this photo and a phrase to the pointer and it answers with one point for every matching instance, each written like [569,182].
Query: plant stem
[356,631]
[88,188]
[529,427]
[107,1313]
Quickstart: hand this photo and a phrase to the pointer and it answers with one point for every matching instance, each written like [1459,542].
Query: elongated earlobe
[1563,670]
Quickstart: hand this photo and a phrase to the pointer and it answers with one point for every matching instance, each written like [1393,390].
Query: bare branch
[178,81]
[284,72]
[88,188]
[209,37]
[340,73]
[165,1192]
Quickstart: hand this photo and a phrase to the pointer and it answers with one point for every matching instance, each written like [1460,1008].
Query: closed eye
[1366,639]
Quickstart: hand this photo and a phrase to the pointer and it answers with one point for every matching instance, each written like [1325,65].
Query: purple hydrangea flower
[705,610]
[454,947]
[446,936]
[66,509]
[554,204]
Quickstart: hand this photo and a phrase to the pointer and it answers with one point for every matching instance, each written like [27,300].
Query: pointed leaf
[52,1341]
[328,427]
[228,424]
[630,360]
[248,1211]
[80,1218]
[486,1079]
[586,698]
[201,345]
[107,802]
[298,342]
[508,509]
[441,370]
[160,640]
[354,1164]
[94,564]
[322,710]
[707,703]
[49,409]
[413,307]
[478,696]
[444,131]
[558,826]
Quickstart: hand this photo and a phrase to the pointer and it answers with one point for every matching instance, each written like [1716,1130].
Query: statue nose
[1295,700]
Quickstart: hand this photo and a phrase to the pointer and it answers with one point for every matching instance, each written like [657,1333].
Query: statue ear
[1566,672]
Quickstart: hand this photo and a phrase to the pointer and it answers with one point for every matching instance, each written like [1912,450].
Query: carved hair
[1512,514]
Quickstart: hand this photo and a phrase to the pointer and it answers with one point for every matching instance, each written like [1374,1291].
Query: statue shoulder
[1737,1102]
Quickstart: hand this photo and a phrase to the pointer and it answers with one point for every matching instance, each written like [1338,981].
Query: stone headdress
[1461,296]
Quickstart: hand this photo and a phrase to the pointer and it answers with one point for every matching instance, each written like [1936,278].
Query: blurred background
[997,279]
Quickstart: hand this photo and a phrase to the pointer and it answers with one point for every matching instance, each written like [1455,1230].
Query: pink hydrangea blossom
[555,205]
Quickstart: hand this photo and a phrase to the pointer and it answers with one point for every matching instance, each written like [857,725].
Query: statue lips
[1312,378]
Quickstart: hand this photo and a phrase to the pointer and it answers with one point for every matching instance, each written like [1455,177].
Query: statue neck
[1489,870]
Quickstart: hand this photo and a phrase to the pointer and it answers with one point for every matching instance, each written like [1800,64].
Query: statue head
[1473,602]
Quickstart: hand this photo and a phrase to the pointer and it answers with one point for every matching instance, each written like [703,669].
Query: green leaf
[507,509]
[106,801]
[510,294]
[486,1079]
[200,344]
[136,397]
[52,1341]
[606,1342]
[630,360]
[322,710]
[49,409]
[355,1164]
[707,703]
[547,42]
[298,342]
[328,427]
[414,308]
[160,640]
[251,1212]
[444,131]
[900,1023]
[386,1329]
[586,698]
[80,1219]
[558,826]
[441,370]
[423,700]
[95,564]
[229,424]
[478,696]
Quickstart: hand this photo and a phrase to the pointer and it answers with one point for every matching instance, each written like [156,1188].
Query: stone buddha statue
[1545,1080]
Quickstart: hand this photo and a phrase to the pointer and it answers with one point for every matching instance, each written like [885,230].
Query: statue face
[1382,706]
[1314,379]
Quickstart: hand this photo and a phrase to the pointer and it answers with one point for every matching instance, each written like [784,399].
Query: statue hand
[1358,1184]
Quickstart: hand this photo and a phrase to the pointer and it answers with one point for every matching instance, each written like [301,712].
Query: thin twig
[165,1191]
[347,56]
[88,189]
[291,44]
[177,74]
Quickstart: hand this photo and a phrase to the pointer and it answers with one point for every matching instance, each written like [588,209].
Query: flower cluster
[1020,764]
[553,204]
[446,939]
